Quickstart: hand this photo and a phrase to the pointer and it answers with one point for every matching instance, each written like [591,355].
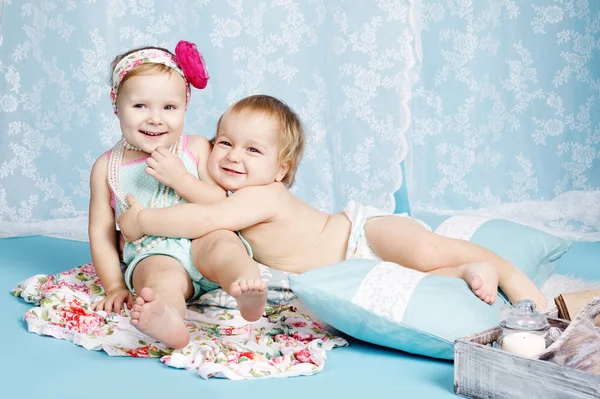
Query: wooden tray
[482,372]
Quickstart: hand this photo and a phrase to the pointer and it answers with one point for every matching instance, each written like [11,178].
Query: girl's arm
[199,191]
[170,171]
[101,229]
[245,208]
[208,189]
[202,149]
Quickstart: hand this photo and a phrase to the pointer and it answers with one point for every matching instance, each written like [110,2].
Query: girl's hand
[165,167]
[114,300]
[128,221]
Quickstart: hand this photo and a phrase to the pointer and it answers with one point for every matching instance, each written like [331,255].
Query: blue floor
[36,366]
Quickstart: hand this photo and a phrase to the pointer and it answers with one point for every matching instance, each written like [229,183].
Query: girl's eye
[139,106]
[252,149]
[170,107]
[225,143]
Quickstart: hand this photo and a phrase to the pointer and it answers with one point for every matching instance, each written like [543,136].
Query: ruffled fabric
[192,64]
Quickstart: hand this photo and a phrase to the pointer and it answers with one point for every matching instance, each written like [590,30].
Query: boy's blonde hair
[291,134]
[143,69]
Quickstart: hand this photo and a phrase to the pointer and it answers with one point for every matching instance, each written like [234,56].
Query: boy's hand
[128,222]
[114,300]
[165,167]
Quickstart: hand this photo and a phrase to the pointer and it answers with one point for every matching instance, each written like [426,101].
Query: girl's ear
[284,167]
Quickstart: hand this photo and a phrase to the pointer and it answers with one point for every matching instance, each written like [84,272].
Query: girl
[150,90]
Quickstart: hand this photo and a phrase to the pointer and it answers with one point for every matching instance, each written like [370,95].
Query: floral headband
[188,63]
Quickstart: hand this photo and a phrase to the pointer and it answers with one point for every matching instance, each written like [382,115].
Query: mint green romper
[136,181]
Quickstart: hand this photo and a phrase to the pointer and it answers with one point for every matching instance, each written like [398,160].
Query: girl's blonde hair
[291,133]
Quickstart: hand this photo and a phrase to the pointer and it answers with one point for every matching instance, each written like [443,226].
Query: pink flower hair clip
[192,64]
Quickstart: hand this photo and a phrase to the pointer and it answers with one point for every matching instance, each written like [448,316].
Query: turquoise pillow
[389,305]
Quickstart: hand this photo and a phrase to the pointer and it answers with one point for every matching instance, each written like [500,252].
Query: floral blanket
[284,343]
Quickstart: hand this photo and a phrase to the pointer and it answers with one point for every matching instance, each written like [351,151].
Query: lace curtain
[506,112]
[347,70]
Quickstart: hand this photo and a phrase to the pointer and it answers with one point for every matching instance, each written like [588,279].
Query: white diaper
[358,247]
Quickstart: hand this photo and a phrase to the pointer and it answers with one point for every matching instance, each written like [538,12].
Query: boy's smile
[232,172]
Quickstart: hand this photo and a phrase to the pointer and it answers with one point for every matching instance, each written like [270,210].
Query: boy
[257,149]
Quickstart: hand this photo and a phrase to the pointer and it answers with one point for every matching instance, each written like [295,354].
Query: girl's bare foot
[152,316]
[482,277]
[251,297]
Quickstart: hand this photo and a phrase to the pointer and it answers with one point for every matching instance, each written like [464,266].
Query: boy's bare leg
[162,286]
[404,241]
[516,285]
[482,277]
[222,258]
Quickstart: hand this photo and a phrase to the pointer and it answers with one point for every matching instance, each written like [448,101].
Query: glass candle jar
[524,330]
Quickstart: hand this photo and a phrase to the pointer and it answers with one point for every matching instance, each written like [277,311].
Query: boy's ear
[284,168]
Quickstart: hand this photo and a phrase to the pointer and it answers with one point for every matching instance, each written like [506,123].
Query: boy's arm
[101,230]
[245,208]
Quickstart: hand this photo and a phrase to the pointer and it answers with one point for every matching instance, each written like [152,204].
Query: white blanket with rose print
[283,343]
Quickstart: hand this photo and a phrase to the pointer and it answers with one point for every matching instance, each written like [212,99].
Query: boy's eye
[225,143]
[252,149]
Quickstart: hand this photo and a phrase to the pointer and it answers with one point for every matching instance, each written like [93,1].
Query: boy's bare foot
[251,297]
[152,316]
[482,277]
[516,285]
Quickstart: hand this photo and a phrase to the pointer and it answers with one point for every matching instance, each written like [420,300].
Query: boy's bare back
[294,237]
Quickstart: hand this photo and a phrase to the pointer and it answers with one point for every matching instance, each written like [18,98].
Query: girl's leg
[162,286]
[221,257]
[404,241]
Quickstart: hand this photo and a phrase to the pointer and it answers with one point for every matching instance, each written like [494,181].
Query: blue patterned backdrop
[507,110]
[508,105]
[496,101]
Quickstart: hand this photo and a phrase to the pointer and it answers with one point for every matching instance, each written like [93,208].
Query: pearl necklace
[131,147]
[160,196]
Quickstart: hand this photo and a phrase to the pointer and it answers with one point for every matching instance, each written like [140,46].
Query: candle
[524,343]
